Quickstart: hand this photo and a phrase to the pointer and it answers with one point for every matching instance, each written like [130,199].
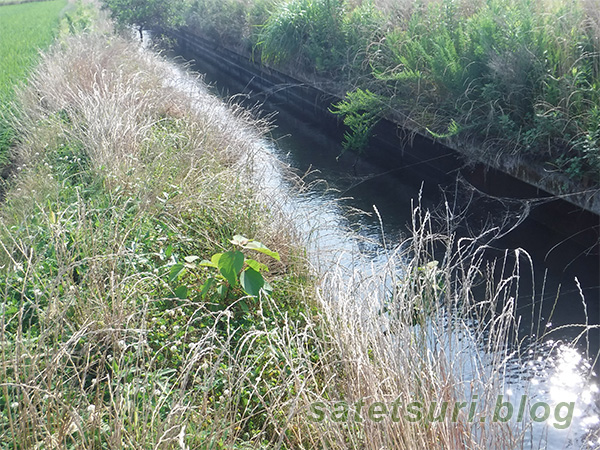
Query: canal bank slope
[113,332]
[508,83]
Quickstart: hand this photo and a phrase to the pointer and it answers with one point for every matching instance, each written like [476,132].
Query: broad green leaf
[206,286]
[230,264]
[181,292]
[177,270]
[259,247]
[267,288]
[256,265]
[215,259]
[207,263]
[168,251]
[251,281]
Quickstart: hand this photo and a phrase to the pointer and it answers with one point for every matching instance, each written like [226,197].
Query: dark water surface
[557,258]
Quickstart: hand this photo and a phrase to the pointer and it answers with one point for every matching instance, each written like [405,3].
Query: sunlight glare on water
[569,382]
[559,375]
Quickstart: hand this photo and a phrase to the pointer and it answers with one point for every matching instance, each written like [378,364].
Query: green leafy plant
[232,269]
[361,109]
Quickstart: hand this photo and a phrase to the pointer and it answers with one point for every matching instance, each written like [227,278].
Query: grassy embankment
[118,179]
[24,30]
[503,78]
[110,336]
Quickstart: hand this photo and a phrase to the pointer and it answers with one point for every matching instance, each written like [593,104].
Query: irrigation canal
[561,240]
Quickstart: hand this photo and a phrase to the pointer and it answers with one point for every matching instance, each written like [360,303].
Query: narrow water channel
[565,272]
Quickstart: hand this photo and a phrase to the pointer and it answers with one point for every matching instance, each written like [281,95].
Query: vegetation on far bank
[152,299]
[497,77]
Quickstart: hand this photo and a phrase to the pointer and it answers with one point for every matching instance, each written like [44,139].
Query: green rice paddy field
[13,2]
[24,30]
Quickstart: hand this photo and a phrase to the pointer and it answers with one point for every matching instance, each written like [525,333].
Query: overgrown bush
[307,32]
[225,21]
